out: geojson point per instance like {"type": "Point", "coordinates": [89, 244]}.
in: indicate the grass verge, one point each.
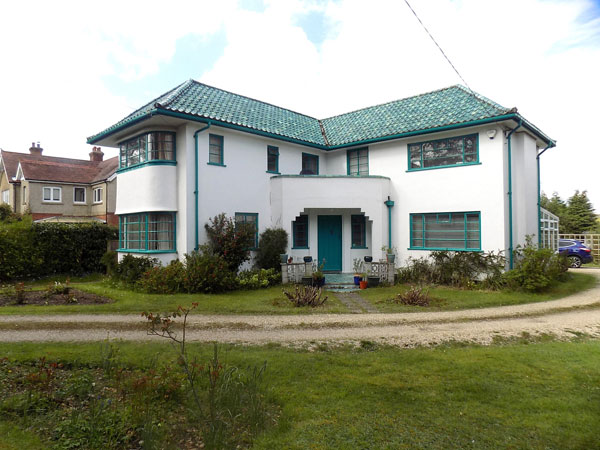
{"type": "Point", "coordinates": [450, 299]}
{"type": "Point", "coordinates": [521, 394]}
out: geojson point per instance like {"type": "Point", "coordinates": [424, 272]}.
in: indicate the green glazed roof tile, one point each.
{"type": "Point", "coordinates": [445, 107]}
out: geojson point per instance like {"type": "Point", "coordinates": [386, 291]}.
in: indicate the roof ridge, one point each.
{"type": "Point", "coordinates": [391, 101]}
{"type": "Point", "coordinates": [175, 93]}
{"type": "Point", "coordinates": [484, 99]}
{"type": "Point", "coordinates": [253, 99]}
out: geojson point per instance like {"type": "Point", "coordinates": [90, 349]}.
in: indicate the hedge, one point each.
{"type": "Point", "coordinates": [34, 250]}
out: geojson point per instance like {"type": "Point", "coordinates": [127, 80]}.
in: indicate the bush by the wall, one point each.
{"type": "Point", "coordinates": [536, 269]}
{"type": "Point", "coordinates": [131, 268]}
{"type": "Point", "coordinates": [260, 278]}
{"type": "Point", "coordinates": [206, 272]}
{"type": "Point", "coordinates": [164, 280]}
{"type": "Point", "coordinates": [110, 260]}
{"type": "Point", "coordinates": [33, 250]}
{"type": "Point", "coordinates": [271, 243]}
{"type": "Point", "coordinates": [5, 212]}
{"type": "Point", "coordinates": [228, 240]}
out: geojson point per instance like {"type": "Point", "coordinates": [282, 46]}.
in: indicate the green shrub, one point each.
{"type": "Point", "coordinates": [110, 260]}
{"type": "Point", "coordinates": [164, 280]}
{"type": "Point", "coordinates": [5, 212]}
{"type": "Point", "coordinates": [131, 268]}
{"type": "Point", "coordinates": [19, 257]}
{"type": "Point", "coordinates": [536, 269]}
{"type": "Point", "coordinates": [206, 272]}
{"type": "Point", "coordinates": [462, 269]}
{"type": "Point", "coordinates": [256, 279]}
{"type": "Point", "coordinates": [230, 241]}
{"type": "Point", "coordinates": [272, 243]}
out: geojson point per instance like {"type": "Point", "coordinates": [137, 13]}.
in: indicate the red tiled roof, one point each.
{"type": "Point", "coordinates": [52, 168]}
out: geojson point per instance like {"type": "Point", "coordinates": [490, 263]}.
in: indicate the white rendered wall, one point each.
{"type": "Point", "coordinates": [524, 180]}
{"type": "Point", "coordinates": [147, 188]}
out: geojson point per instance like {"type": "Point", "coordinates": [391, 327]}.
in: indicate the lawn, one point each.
{"type": "Point", "coordinates": [521, 394]}
{"type": "Point", "coordinates": [449, 299]}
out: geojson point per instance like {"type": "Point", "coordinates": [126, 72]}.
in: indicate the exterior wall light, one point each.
{"type": "Point", "coordinates": [491, 133]}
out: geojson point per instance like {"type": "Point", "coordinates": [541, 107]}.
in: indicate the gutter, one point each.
{"type": "Point", "coordinates": [198, 131]}
{"type": "Point", "coordinates": [539, 191]}
{"type": "Point", "coordinates": [510, 211]}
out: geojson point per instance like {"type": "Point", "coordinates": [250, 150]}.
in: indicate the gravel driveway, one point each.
{"type": "Point", "coordinates": [579, 313]}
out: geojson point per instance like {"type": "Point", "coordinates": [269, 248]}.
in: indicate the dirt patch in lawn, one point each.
{"type": "Point", "coordinates": [42, 298]}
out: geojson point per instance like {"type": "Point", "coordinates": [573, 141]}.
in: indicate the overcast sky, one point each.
{"type": "Point", "coordinates": [70, 69]}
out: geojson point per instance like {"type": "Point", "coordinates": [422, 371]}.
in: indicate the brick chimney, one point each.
{"type": "Point", "coordinates": [36, 149]}
{"type": "Point", "coordinates": [96, 154]}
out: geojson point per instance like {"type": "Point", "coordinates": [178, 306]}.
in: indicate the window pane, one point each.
{"type": "Point", "coordinates": [215, 149]}
{"type": "Point", "coordinates": [310, 164]}
{"type": "Point", "coordinates": [444, 152]}
{"type": "Point", "coordinates": [358, 231]}
{"type": "Point", "coordinates": [79, 195]}
{"type": "Point", "coordinates": [449, 231]}
{"type": "Point", "coordinates": [47, 194]}
{"type": "Point", "coordinates": [56, 194]}
{"type": "Point", "coordinates": [300, 231]}
{"type": "Point", "coordinates": [272, 159]}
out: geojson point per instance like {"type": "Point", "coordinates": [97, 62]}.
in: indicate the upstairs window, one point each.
{"type": "Point", "coordinates": [456, 151]}
{"type": "Point", "coordinates": [359, 231]}
{"type": "Point", "coordinates": [215, 150]}
{"type": "Point", "coordinates": [272, 159]}
{"type": "Point", "coordinates": [6, 196]}
{"type": "Point", "coordinates": [358, 161]}
{"type": "Point", "coordinates": [154, 146]}
{"type": "Point", "coordinates": [79, 195]}
{"type": "Point", "coordinates": [445, 231]}
{"type": "Point", "coordinates": [98, 195]}
{"type": "Point", "coordinates": [300, 232]}
{"type": "Point", "coordinates": [24, 195]}
{"type": "Point", "coordinates": [251, 219]}
{"type": "Point", "coordinates": [310, 164]}
{"type": "Point", "coordinates": [52, 194]}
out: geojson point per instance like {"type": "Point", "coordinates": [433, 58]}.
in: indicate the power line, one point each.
{"type": "Point", "coordinates": [438, 45]}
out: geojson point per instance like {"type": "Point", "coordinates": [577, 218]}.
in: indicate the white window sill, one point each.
{"type": "Point", "coordinates": [80, 203]}
{"type": "Point", "coordinates": [52, 202]}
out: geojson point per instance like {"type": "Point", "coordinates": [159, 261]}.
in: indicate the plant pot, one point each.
{"type": "Point", "coordinates": [363, 284]}
{"type": "Point", "coordinates": [390, 257]}
{"type": "Point", "coordinates": [368, 259]}
{"type": "Point", "coordinates": [320, 282]}
{"type": "Point", "coordinates": [307, 281]}
{"type": "Point", "coordinates": [357, 279]}
{"type": "Point", "coordinates": [373, 281]}
{"type": "Point", "coordinates": [307, 259]}
{"type": "Point", "coordinates": [283, 257]}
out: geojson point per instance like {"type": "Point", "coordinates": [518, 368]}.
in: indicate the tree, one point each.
{"type": "Point", "coordinates": [272, 243]}
{"type": "Point", "coordinates": [581, 213]}
{"type": "Point", "coordinates": [230, 240]}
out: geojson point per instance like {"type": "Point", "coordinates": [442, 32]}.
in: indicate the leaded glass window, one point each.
{"type": "Point", "coordinates": [153, 146]}
{"type": "Point", "coordinates": [446, 231]}
{"type": "Point", "coordinates": [358, 161]}
{"type": "Point", "coordinates": [456, 151]}
{"type": "Point", "coordinates": [359, 231]}
{"type": "Point", "coordinates": [147, 232]}
{"type": "Point", "coordinates": [251, 219]}
{"type": "Point", "coordinates": [215, 149]}
{"type": "Point", "coordinates": [300, 232]}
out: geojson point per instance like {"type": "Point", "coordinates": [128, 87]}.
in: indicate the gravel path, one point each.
{"type": "Point", "coordinates": [579, 313]}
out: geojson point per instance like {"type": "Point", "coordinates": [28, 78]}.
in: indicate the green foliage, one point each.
{"type": "Point", "coordinates": [110, 260]}
{"type": "Point", "coordinates": [5, 212]}
{"type": "Point", "coordinates": [272, 243]}
{"type": "Point", "coordinates": [461, 269]}
{"type": "Point", "coordinates": [208, 273]}
{"type": "Point", "coordinates": [260, 278]}
{"type": "Point", "coordinates": [306, 296]}
{"type": "Point", "coordinates": [131, 268]}
{"type": "Point", "coordinates": [536, 269]}
{"type": "Point", "coordinates": [170, 279]}
{"type": "Point", "coordinates": [576, 215]}
{"type": "Point", "coordinates": [229, 240]}
{"type": "Point", "coordinates": [33, 250]}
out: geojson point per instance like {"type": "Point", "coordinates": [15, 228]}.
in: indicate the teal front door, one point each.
{"type": "Point", "coordinates": [330, 242]}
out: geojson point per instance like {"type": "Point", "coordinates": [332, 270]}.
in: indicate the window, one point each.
{"type": "Point", "coordinates": [79, 195]}
{"type": "Point", "coordinates": [52, 194]}
{"type": "Point", "coordinates": [154, 146]}
{"type": "Point", "coordinates": [358, 161]}
{"type": "Point", "coordinates": [147, 232]}
{"type": "Point", "coordinates": [24, 195]}
{"type": "Point", "coordinates": [6, 196]}
{"type": "Point", "coordinates": [456, 151]}
{"type": "Point", "coordinates": [445, 231]}
{"type": "Point", "coordinates": [98, 195]}
{"type": "Point", "coordinates": [359, 231]}
{"type": "Point", "coordinates": [249, 218]}
{"type": "Point", "coordinates": [272, 159]}
{"type": "Point", "coordinates": [300, 232]}
{"type": "Point", "coordinates": [215, 150]}
{"type": "Point", "coordinates": [310, 164]}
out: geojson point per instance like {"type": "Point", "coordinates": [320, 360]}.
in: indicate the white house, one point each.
{"type": "Point", "coordinates": [448, 169]}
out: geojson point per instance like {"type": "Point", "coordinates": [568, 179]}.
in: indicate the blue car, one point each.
{"type": "Point", "coordinates": [576, 252]}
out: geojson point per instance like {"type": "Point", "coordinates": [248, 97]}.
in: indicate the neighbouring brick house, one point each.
{"type": "Point", "coordinates": [59, 189]}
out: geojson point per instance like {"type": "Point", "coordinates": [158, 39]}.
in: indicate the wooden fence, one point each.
{"type": "Point", "coordinates": [591, 240]}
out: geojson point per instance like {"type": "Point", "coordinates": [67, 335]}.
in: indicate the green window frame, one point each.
{"type": "Point", "coordinates": [215, 150]}
{"type": "Point", "coordinates": [310, 164]}
{"type": "Point", "coordinates": [358, 161]}
{"type": "Point", "coordinates": [449, 152]}
{"type": "Point", "coordinates": [358, 226]}
{"type": "Point", "coordinates": [155, 147]}
{"type": "Point", "coordinates": [147, 232]}
{"type": "Point", "coordinates": [300, 232]}
{"type": "Point", "coordinates": [249, 218]}
{"type": "Point", "coordinates": [457, 231]}
{"type": "Point", "coordinates": [272, 159]}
